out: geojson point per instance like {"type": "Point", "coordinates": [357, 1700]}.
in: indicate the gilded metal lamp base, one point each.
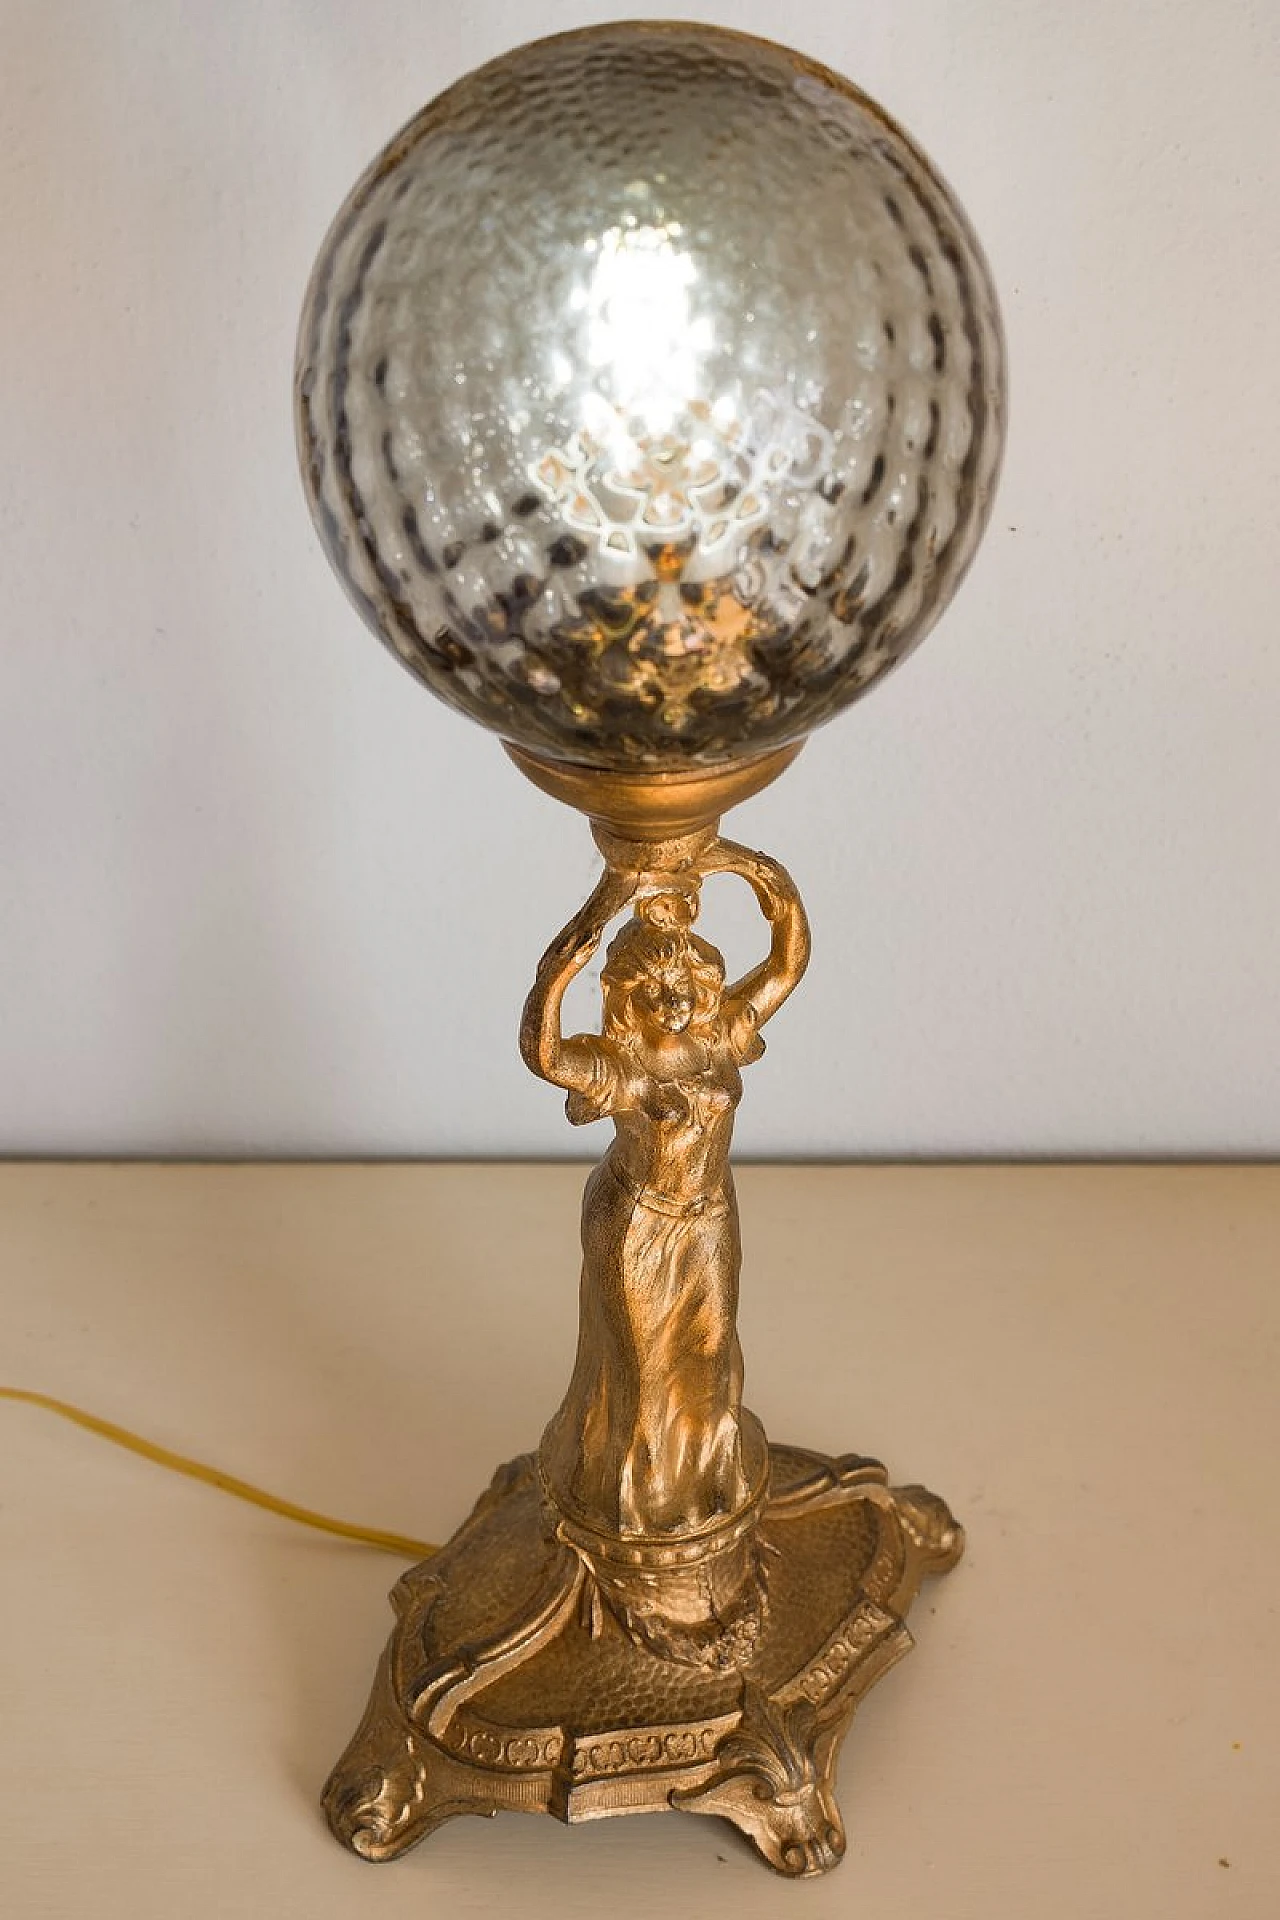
{"type": "Point", "coordinates": [514, 1679]}
{"type": "Point", "coordinates": [658, 1609]}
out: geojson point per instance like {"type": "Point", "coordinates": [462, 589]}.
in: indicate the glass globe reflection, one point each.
{"type": "Point", "coordinates": [650, 396]}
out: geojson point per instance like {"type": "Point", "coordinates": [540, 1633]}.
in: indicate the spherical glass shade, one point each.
{"type": "Point", "coordinates": [650, 395]}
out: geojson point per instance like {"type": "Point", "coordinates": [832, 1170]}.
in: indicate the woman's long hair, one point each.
{"type": "Point", "coordinates": [643, 952]}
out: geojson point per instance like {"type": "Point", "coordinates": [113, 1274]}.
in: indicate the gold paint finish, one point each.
{"type": "Point", "coordinates": [653, 806]}
{"type": "Point", "coordinates": [510, 1683]}
{"type": "Point", "coordinates": [658, 1609]}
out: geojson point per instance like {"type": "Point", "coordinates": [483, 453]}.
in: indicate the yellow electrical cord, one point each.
{"type": "Point", "coordinates": [213, 1477]}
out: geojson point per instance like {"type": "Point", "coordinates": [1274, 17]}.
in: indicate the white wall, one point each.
{"type": "Point", "coordinates": [261, 894]}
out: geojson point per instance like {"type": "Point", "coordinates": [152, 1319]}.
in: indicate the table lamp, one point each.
{"type": "Point", "coordinates": [649, 404]}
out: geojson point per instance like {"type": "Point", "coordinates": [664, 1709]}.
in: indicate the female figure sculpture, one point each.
{"type": "Point", "coordinates": [650, 1438]}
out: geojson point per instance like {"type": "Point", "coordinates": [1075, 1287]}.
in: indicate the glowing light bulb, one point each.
{"type": "Point", "coordinates": [643, 340]}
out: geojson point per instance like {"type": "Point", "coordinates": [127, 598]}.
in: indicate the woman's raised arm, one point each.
{"type": "Point", "coordinates": [766, 987]}
{"type": "Point", "coordinates": [542, 1044]}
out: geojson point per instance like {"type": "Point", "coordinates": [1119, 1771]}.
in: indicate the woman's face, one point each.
{"type": "Point", "coordinates": [668, 1000]}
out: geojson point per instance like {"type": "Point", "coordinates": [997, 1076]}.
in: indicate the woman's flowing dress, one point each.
{"type": "Point", "coordinates": [648, 1438]}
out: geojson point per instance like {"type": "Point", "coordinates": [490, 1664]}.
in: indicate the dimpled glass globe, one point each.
{"type": "Point", "coordinates": [650, 396]}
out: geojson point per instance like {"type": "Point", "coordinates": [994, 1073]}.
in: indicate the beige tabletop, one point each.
{"type": "Point", "coordinates": [1083, 1360]}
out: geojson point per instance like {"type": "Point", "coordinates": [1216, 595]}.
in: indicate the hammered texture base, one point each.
{"type": "Point", "coordinates": [509, 1682]}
